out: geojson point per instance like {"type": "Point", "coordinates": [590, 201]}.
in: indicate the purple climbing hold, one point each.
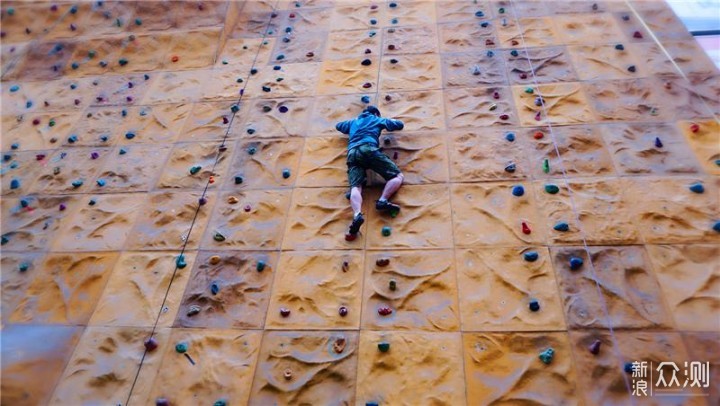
{"type": "Point", "coordinates": [94, 155]}
{"type": "Point", "coordinates": [283, 109]}
{"type": "Point", "coordinates": [658, 143]}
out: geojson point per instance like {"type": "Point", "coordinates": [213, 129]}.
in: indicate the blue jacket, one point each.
{"type": "Point", "coordinates": [366, 128]}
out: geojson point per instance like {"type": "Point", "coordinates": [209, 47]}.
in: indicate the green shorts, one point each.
{"type": "Point", "coordinates": [364, 157]}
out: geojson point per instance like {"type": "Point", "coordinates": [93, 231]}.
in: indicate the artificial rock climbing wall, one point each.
{"type": "Point", "coordinates": [174, 202]}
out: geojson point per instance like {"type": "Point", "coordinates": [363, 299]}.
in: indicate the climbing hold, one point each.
{"type": "Point", "coordinates": [180, 261]}
{"type": "Point", "coordinates": [214, 288]}
{"type": "Point", "coordinates": [10, 11]}
{"type": "Point", "coordinates": [493, 107]}
{"type": "Point", "coordinates": [150, 344]}
{"type": "Point", "coordinates": [373, 21]}
{"type": "Point", "coordinates": [92, 202]}
{"type": "Point", "coordinates": [534, 305]}
{"type": "Point", "coordinates": [695, 128]}
{"type": "Point", "coordinates": [490, 54]}
{"type": "Point", "coordinates": [123, 61]}
{"type": "Point", "coordinates": [479, 14]}
{"type": "Point", "coordinates": [658, 143]}
{"type": "Point", "coordinates": [195, 169]}
{"type": "Point", "coordinates": [40, 157]}
{"type": "Point", "coordinates": [280, 57]}
{"type": "Point", "coordinates": [628, 367]}
{"type": "Point", "coordinates": [632, 68]}
{"type": "Point", "coordinates": [310, 54]}
{"type": "Point", "coordinates": [247, 208]}
{"type": "Point", "coordinates": [260, 266]}
{"type": "Point", "coordinates": [496, 95]}
{"type": "Point", "coordinates": [489, 43]}
{"type": "Point", "coordinates": [504, 117]}
{"type": "Point", "coordinates": [539, 101]}
{"type": "Point", "coordinates": [101, 182]}
{"type": "Point", "coordinates": [514, 52]}
{"type": "Point", "coordinates": [716, 226]}
{"type": "Point", "coordinates": [220, 402]}
{"type": "Point", "coordinates": [287, 374]}
{"type": "Point", "coordinates": [561, 226]}
{"type": "Point", "coordinates": [538, 135]}
{"type": "Point", "coordinates": [238, 179]}
{"type": "Point", "coordinates": [339, 345]}
{"type": "Point", "coordinates": [546, 165]}
{"type": "Point", "coordinates": [266, 89]}
{"type": "Point", "coordinates": [383, 346]}
{"type": "Point", "coordinates": [214, 260]}
{"type": "Point", "coordinates": [36, 121]}
{"type": "Point", "coordinates": [386, 231]}
{"type": "Point", "coordinates": [4, 240]}
{"type": "Point", "coordinates": [594, 348]}
{"type": "Point", "coordinates": [531, 256]}
{"type": "Point", "coordinates": [484, 24]}
{"type": "Point", "coordinates": [526, 228]}
{"type": "Point", "coordinates": [284, 312]}
{"type": "Point", "coordinates": [62, 207]}
{"type": "Point", "coordinates": [218, 237]}
{"type": "Point", "coordinates": [510, 137]}
{"type": "Point", "coordinates": [343, 311]}
{"type": "Point", "coordinates": [697, 188]}
{"type": "Point", "coordinates": [23, 266]}
{"type": "Point", "coordinates": [14, 183]}
{"type": "Point", "coordinates": [181, 347]}
{"type": "Point", "coordinates": [74, 65]}
{"type": "Point", "coordinates": [366, 62]}
{"type": "Point", "coordinates": [367, 85]}
{"type": "Point", "coordinates": [518, 190]}
{"type": "Point", "coordinates": [576, 263]}
{"type": "Point", "coordinates": [283, 109]}
{"type": "Point", "coordinates": [234, 108]}
{"type": "Point", "coordinates": [384, 311]}
{"type": "Point", "coordinates": [382, 262]}
{"type": "Point", "coordinates": [14, 88]}
{"type": "Point", "coordinates": [392, 285]}
{"type": "Point", "coordinates": [365, 99]}
{"type": "Point", "coordinates": [620, 47]}
{"type": "Point", "coordinates": [594, 6]}
{"type": "Point", "coordinates": [175, 58]}
{"type": "Point", "coordinates": [547, 356]}
{"type": "Point", "coordinates": [552, 189]}
{"type": "Point", "coordinates": [501, 10]}
{"type": "Point", "coordinates": [523, 75]}
{"type": "Point", "coordinates": [637, 35]}
{"type": "Point", "coordinates": [193, 310]}
{"type": "Point", "coordinates": [129, 135]}
{"type": "Point", "coordinates": [94, 155]}
{"type": "Point", "coordinates": [122, 151]}
{"type": "Point", "coordinates": [77, 183]}
{"type": "Point", "coordinates": [510, 168]}
{"type": "Point", "coordinates": [286, 173]}
{"type": "Point", "coordinates": [529, 90]}
{"type": "Point", "coordinates": [267, 109]}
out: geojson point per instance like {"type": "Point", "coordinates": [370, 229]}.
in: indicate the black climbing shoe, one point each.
{"type": "Point", "coordinates": [387, 206]}
{"type": "Point", "coordinates": [356, 223]}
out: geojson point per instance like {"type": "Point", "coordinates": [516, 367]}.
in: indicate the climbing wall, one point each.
{"type": "Point", "coordinates": [174, 203]}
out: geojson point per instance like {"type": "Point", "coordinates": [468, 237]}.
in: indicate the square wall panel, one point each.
{"type": "Point", "coordinates": [410, 72]}
{"type": "Point", "coordinates": [265, 163]}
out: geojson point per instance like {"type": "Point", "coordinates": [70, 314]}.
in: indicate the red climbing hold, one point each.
{"type": "Point", "coordinates": [384, 311]}
{"type": "Point", "coordinates": [36, 121]}
{"type": "Point", "coordinates": [382, 262]}
{"type": "Point", "coordinates": [175, 58]}
{"type": "Point", "coordinates": [523, 75]}
{"type": "Point", "coordinates": [538, 135]}
{"type": "Point", "coordinates": [391, 47]}
{"type": "Point", "coordinates": [350, 237]}
{"type": "Point", "coordinates": [637, 34]}
{"type": "Point", "coordinates": [525, 228]}
{"type": "Point", "coordinates": [695, 128]}
{"type": "Point", "coordinates": [504, 117]}
{"type": "Point", "coordinates": [367, 85]}
{"type": "Point", "coordinates": [496, 95]}
{"type": "Point", "coordinates": [292, 15]}
{"type": "Point", "coordinates": [343, 311]}
{"type": "Point", "coordinates": [514, 42]}
{"type": "Point", "coordinates": [212, 179]}
{"type": "Point", "coordinates": [489, 42]}
{"type": "Point", "coordinates": [310, 54]}
{"type": "Point", "coordinates": [284, 312]}
{"type": "Point", "coordinates": [151, 344]}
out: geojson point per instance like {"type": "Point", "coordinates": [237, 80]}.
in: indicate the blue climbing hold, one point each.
{"type": "Point", "coordinates": [15, 183]}
{"type": "Point", "coordinates": [280, 57]}
{"type": "Point", "coordinates": [28, 104]}
{"type": "Point", "coordinates": [129, 135]}
{"type": "Point", "coordinates": [697, 188]}
{"type": "Point", "coordinates": [238, 180]}
{"type": "Point", "coordinates": [72, 139]}
{"type": "Point", "coordinates": [92, 202]}
{"type": "Point", "coordinates": [534, 305]}
{"type": "Point", "coordinates": [658, 143]}
{"type": "Point", "coordinates": [510, 168]}
{"type": "Point", "coordinates": [628, 367]}
{"type": "Point", "coordinates": [4, 240]}
{"type": "Point", "coordinates": [620, 47]}
{"type": "Point", "coordinates": [514, 52]}
{"type": "Point", "coordinates": [122, 151]}
{"type": "Point", "coordinates": [490, 54]}
{"type": "Point", "coordinates": [101, 182]}
{"type": "Point", "coordinates": [392, 4]}
{"type": "Point", "coordinates": [214, 288]}
{"type": "Point", "coordinates": [394, 21]}
{"type": "Point", "coordinates": [531, 256]}
{"type": "Point", "coordinates": [14, 88]}
{"type": "Point", "coordinates": [286, 173]}
{"type": "Point", "coordinates": [576, 263]}
{"type": "Point", "coordinates": [288, 29]}
{"type": "Point", "coordinates": [124, 113]}
{"type": "Point", "coordinates": [484, 24]}
{"type": "Point", "coordinates": [7, 157]}
{"type": "Point", "coordinates": [146, 76]}
{"type": "Point", "coordinates": [510, 137]}
{"type": "Point", "coordinates": [518, 190]}
{"type": "Point", "coordinates": [561, 226]}
{"type": "Point", "coordinates": [15, 145]}
{"type": "Point", "coordinates": [373, 21]}
{"type": "Point", "coordinates": [365, 99]}
{"type": "Point", "coordinates": [77, 183]}
{"type": "Point", "coordinates": [104, 138]}
{"type": "Point", "coordinates": [276, 67]}
{"type": "Point", "coordinates": [716, 226]}
{"type": "Point", "coordinates": [479, 14]}
{"type": "Point", "coordinates": [24, 202]}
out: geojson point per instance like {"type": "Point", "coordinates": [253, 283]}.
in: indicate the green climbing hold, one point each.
{"type": "Point", "coordinates": [383, 346]}
{"type": "Point", "coordinates": [547, 356]}
{"type": "Point", "coordinates": [552, 189]}
{"type": "Point", "coordinates": [195, 169]}
{"type": "Point", "coordinates": [52, 122]}
{"type": "Point", "coordinates": [529, 90]}
{"type": "Point", "coordinates": [386, 231]}
{"type": "Point", "coordinates": [221, 402]}
{"type": "Point", "coordinates": [181, 347]}
{"type": "Point", "coordinates": [11, 11]}
{"type": "Point", "coordinates": [123, 61]}
{"type": "Point", "coordinates": [546, 166]}
{"type": "Point", "coordinates": [218, 237]}
{"type": "Point", "coordinates": [180, 261]}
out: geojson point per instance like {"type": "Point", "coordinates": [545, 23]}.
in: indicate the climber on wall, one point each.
{"type": "Point", "coordinates": [364, 153]}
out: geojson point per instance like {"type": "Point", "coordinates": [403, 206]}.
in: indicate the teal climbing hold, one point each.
{"type": "Point", "coordinates": [552, 189]}
{"type": "Point", "coordinates": [547, 356]}
{"type": "Point", "coordinates": [501, 10]}
{"type": "Point", "coordinates": [24, 202]}
{"type": "Point", "coordinates": [123, 61]}
{"type": "Point", "coordinates": [260, 266]}
{"type": "Point", "coordinates": [77, 183]}
{"type": "Point", "coordinates": [514, 52]}
{"type": "Point", "coordinates": [529, 90]}
{"type": "Point", "coordinates": [386, 231]}
{"type": "Point", "coordinates": [238, 179]}
{"type": "Point", "coordinates": [531, 256]}
{"type": "Point", "coordinates": [4, 239]}
{"type": "Point", "coordinates": [181, 347]}
{"type": "Point", "coordinates": [218, 237]}
{"type": "Point", "coordinates": [220, 402]}
{"type": "Point", "coordinates": [195, 169]}
{"type": "Point", "coordinates": [383, 346]}
{"type": "Point", "coordinates": [576, 263]}
{"type": "Point", "coordinates": [101, 182]}
{"type": "Point", "coordinates": [72, 139]}
{"type": "Point", "coordinates": [234, 108]}
{"type": "Point", "coordinates": [252, 150]}
{"type": "Point", "coordinates": [23, 267]}
{"type": "Point", "coordinates": [180, 261]}
{"type": "Point", "coordinates": [697, 188]}
{"type": "Point", "coordinates": [138, 21]}
{"type": "Point", "coordinates": [561, 226]}
{"type": "Point", "coordinates": [286, 173]}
